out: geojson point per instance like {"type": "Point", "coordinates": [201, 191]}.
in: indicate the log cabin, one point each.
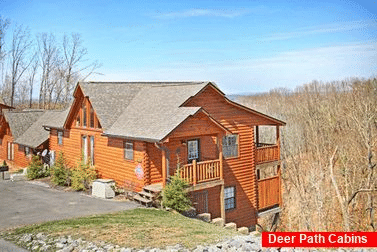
{"type": "Point", "coordinates": [22, 134]}
{"type": "Point", "coordinates": [140, 133]}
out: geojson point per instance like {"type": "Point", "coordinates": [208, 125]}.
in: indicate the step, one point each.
{"type": "Point", "coordinates": [142, 200]}
{"type": "Point", "coordinates": [147, 195]}
{"type": "Point", "coordinates": [154, 188]}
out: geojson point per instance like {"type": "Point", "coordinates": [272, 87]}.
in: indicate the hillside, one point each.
{"type": "Point", "coordinates": [329, 152]}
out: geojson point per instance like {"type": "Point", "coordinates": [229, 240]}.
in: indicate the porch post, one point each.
{"type": "Point", "coordinates": [221, 158]}
{"type": "Point", "coordinates": [194, 175]}
{"type": "Point", "coordinates": [222, 203]}
{"type": "Point", "coordinates": [278, 140]}
{"type": "Point", "coordinates": [163, 168]}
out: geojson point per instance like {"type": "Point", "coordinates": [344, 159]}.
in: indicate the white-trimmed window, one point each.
{"type": "Point", "coordinates": [60, 137]}
{"type": "Point", "coordinates": [27, 151]}
{"type": "Point", "coordinates": [230, 197]}
{"type": "Point", "coordinates": [128, 150]}
{"type": "Point", "coordinates": [91, 139]}
{"type": "Point", "coordinates": [230, 146]}
{"type": "Point", "coordinates": [84, 146]}
{"type": "Point", "coordinates": [10, 151]}
{"type": "Point", "coordinates": [193, 150]}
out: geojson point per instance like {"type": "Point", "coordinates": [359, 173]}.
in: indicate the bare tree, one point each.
{"type": "Point", "coordinates": [74, 56]}
{"type": "Point", "coordinates": [31, 77]}
{"type": "Point", "coordinates": [49, 59]}
{"type": "Point", "coordinates": [4, 23]}
{"type": "Point", "coordinates": [21, 43]}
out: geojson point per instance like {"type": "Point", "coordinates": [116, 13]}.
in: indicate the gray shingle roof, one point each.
{"type": "Point", "coordinates": [142, 110]}
{"type": "Point", "coordinates": [19, 122]}
{"type": "Point", "coordinates": [57, 120]}
{"type": "Point", "coordinates": [110, 99]}
{"type": "Point", "coordinates": [36, 135]}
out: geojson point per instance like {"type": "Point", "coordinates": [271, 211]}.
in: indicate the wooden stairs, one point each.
{"type": "Point", "coordinates": [148, 195]}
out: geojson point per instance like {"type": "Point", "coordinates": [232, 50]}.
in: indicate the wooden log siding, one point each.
{"type": "Point", "coordinates": [238, 171]}
{"type": "Point", "coordinates": [267, 153]}
{"type": "Point", "coordinates": [269, 192]}
{"type": "Point", "coordinates": [201, 172]}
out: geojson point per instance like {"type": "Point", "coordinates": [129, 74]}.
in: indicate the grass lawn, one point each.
{"type": "Point", "coordinates": [136, 228]}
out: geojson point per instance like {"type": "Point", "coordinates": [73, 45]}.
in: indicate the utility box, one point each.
{"type": "Point", "coordinates": [5, 175]}
{"type": "Point", "coordinates": [102, 188]}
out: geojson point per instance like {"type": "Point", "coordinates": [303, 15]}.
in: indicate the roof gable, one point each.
{"type": "Point", "coordinates": [267, 120]}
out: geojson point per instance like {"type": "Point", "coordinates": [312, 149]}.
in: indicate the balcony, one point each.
{"type": "Point", "coordinates": [269, 192]}
{"type": "Point", "coordinates": [202, 172]}
{"type": "Point", "coordinates": [267, 153]}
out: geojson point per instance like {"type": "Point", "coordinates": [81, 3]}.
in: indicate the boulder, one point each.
{"type": "Point", "coordinates": [231, 226]}
{"type": "Point", "coordinates": [218, 221]}
{"type": "Point", "coordinates": [243, 230]}
{"type": "Point", "coordinates": [204, 217]}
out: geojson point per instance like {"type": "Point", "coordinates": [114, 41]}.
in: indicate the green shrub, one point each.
{"type": "Point", "coordinates": [60, 172]}
{"type": "Point", "coordinates": [36, 170]}
{"type": "Point", "coordinates": [175, 195]}
{"type": "Point", "coordinates": [82, 175]}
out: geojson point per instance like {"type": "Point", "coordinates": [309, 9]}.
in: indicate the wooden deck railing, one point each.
{"type": "Point", "coordinates": [267, 153]}
{"type": "Point", "coordinates": [199, 172]}
{"type": "Point", "coordinates": [269, 192]}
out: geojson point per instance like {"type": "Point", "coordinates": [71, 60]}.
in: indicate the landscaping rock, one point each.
{"type": "Point", "coordinates": [204, 217]}
{"type": "Point", "coordinates": [27, 238]}
{"type": "Point", "coordinates": [59, 245]}
{"type": "Point", "coordinates": [231, 226]}
{"type": "Point", "coordinates": [218, 221]}
{"type": "Point", "coordinates": [243, 230]}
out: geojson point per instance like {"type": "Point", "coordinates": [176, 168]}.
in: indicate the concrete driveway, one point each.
{"type": "Point", "coordinates": [22, 203]}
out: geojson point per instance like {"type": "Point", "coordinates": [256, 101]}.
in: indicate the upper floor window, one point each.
{"type": "Point", "coordinates": [60, 137]}
{"type": "Point", "coordinates": [91, 117]}
{"type": "Point", "coordinates": [84, 114]}
{"type": "Point", "coordinates": [230, 146]}
{"type": "Point", "coordinates": [128, 150]}
{"type": "Point", "coordinates": [193, 150]}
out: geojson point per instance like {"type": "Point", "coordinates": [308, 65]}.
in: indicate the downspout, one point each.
{"type": "Point", "coordinates": [167, 159]}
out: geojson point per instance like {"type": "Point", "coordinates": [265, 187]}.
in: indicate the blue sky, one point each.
{"type": "Point", "coordinates": [243, 46]}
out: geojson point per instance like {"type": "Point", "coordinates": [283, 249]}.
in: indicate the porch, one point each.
{"type": "Point", "coordinates": [202, 172]}
{"type": "Point", "coordinates": [267, 159]}
{"type": "Point", "coordinates": [267, 152]}
{"type": "Point", "coordinates": [198, 159]}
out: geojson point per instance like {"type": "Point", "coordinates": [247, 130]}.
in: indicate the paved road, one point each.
{"type": "Point", "coordinates": [9, 247]}
{"type": "Point", "coordinates": [22, 203]}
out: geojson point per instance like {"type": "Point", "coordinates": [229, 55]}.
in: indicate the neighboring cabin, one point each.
{"type": "Point", "coordinates": [22, 134]}
{"type": "Point", "coordinates": [138, 133]}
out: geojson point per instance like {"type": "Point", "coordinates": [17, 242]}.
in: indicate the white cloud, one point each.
{"type": "Point", "coordinates": [322, 29]}
{"type": "Point", "coordinates": [286, 69]}
{"type": "Point", "coordinates": [225, 13]}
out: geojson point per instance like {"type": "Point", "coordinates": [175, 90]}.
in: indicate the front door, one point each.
{"type": "Point", "coordinates": [193, 150]}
